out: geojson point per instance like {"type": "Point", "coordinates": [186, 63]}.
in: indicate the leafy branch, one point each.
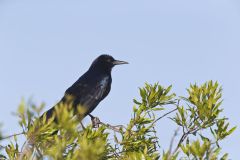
{"type": "Point", "coordinates": [68, 139]}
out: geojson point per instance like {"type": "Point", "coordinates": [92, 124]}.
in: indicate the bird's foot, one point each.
{"type": "Point", "coordinates": [95, 121]}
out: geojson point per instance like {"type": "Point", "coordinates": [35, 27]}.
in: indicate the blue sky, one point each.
{"type": "Point", "coordinates": [46, 45]}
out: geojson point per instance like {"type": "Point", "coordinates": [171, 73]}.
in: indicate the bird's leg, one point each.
{"type": "Point", "coordinates": [95, 121]}
{"type": "Point", "coordinates": [82, 126]}
{"type": "Point", "coordinates": [80, 118]}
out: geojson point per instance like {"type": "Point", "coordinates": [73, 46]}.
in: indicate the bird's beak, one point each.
{"type": "Point", "coordinates": [117, 62]}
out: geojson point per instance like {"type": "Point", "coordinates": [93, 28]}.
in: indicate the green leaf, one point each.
{"type": "Point", "coordinates": [232, 130]}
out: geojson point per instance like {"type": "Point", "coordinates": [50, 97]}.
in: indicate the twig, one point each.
{"type": "Point", "coordinates": [171, 145]}
{"type": "Point", "coordinates": [184, 136]}
{"type": "Point", "coordinates": [96, 121]}
{"type": "Point", "coordinates": [168, 112]}
{"type": "Point", "coordinates": [155, 133]}
{"type": "Point", "coordinates": [23, 146]}
{"type": "Point", "coordinates": [165, 115]}
{"type": "Point", "coordinates": [17, 134]}
{"type": "Point", "coordinates": [172, 140]}
{"type": "Point", "coordinates": [116, 128]}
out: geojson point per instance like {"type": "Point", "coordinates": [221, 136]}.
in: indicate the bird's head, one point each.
{"type": "Point", "coordinates": [106, 63]}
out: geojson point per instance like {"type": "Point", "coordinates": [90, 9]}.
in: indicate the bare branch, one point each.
{"type": "Point", "coordinates": [17, 134]}
{"type": "Point", "coordinates": [96, 122]}
{"type": "Point", "coordinates": [165, 115]}
{"type": "Point", "coordinates": [172, 140]}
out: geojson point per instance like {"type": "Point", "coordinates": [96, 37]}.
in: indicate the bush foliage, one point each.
{"type": "Point", "coordinates": [199, 129]}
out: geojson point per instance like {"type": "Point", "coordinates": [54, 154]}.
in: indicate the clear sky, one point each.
{"type": "Point", "coordinates": [46, 45]}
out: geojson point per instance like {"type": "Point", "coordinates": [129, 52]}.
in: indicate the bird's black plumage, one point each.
{"type": "Point", "coordinates": [92, 87]}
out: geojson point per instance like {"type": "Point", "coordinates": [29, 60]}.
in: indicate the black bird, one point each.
{"type": "Point", "coordinates": [91, 88]}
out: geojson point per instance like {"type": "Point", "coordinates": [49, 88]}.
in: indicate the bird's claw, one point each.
{"type": "Point", "coordinates": [95, 121]}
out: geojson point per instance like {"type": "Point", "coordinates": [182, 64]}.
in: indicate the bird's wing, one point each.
{"type": "Point", "coordinates": [88, 95]}
{"type": "Point", "coordinates": [95, 95]}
